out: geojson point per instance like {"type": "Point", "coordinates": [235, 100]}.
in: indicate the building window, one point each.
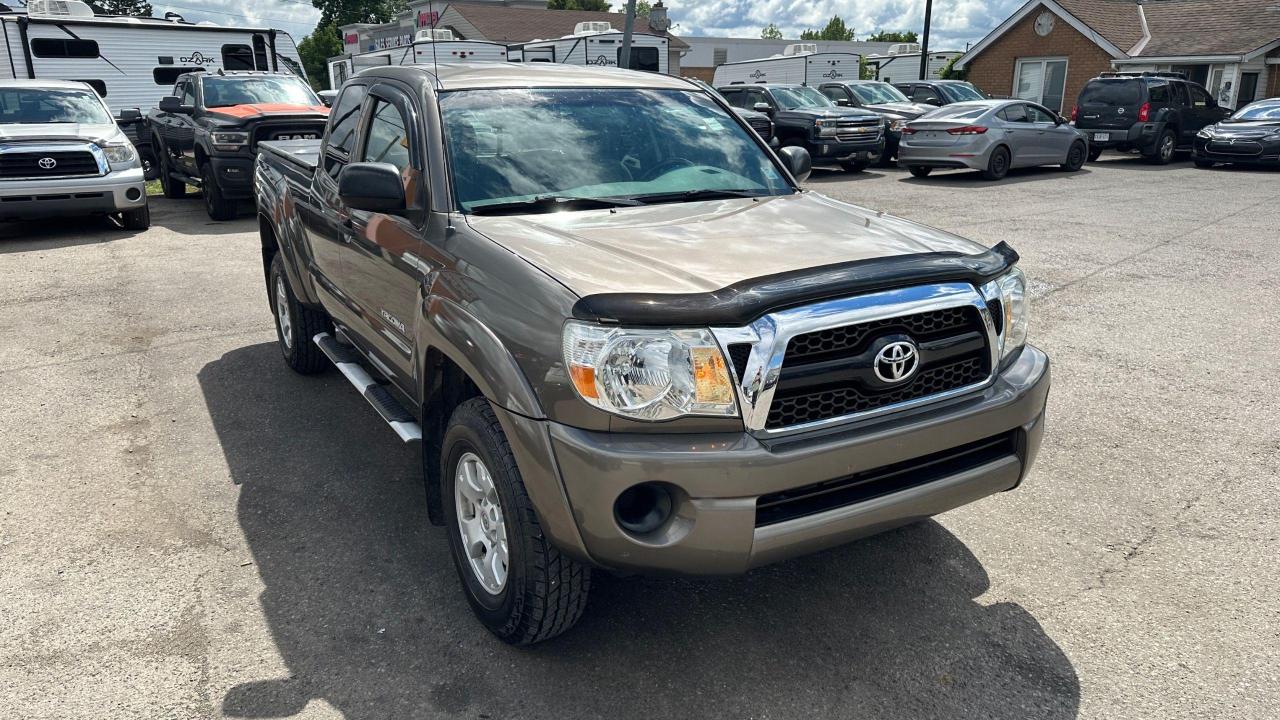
{"type": "Point", "coordinates": [237, 57]}
{"type": "Point", "coordinates": [169, 75]}
{"type": "Point", "coordinates": [64, 48]}
{"type": "Point", "coordinates": [642, 58]}
{"type": "Point", "coordinates": [1041, 80]}
{"type": "Point", "coordinates": [260, 52]}
{"type": "Point", "coordinates": [719, 56]}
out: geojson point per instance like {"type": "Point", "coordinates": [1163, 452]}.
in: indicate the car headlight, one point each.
{"type": "Point", "coordinates": [648, 374]}
{"type": "Point", "coordinates": [230, 140]}
{"type": "Point", "coordinates": [1015, 306]}
{"type": "Point", "coordinates": [121, 156]}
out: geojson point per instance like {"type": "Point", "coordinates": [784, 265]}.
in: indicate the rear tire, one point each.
{"type": "Point", "coordinates": [173, 189]}
{"type": "Point", "coordinates": [542, 592]}
{"type": "Point", "coordinates": [854, 167]}
{"type": "Point", "coordinates": [1166, 146]}
{"type": "Point", "coordinates": [920, 171]}
{"type": "Point", "coordinates": [296, 325]}
{"type": "Point", "coordinates": [1075, 157]}
{"type": "Point", "coordinates": [218, 207]}
{"type": "Point", "coordinates": [1094, 154]}
{"type": "Point", "coordinates": [139, 219]}
{"type": "Point", "coordinates": [150, 165]}
{"type": "Point", "coordinates": [998, 165]}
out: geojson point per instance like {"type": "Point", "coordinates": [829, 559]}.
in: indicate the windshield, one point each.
{"type": "Point", "coordinates": [512, 145]}
{"type": "Point", "coordinates": [878, 93]}
{"type": "Point", "coordinates": [1269, 110]}
{"type": "Point", "coordinates": [960, 92]}
{"type": "Point", "coordinates": [250, 90]}
{"type": "Point", "coordinates": [1111, 92]}
{"type": "Point", "coordinates": [38, 105]}
{"type": "Point", "coordinates": [790, 98]}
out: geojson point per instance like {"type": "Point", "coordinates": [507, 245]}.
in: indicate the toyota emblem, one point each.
{"type": "Point", "coordinates": [897, 361]}
{"type": "Point", "coordinates": [47, 163]}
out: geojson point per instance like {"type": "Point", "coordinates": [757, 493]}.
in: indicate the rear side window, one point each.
{"type": "Point", "coordinates": [1158, 93]}
{"type": "Point", "coordinates": [1112, 92]}
{"type": "Point", "coordinates": [1015, 113]}
{"type": "Point", "coordinates": [64, 48]}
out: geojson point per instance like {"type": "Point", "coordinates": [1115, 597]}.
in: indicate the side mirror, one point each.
{"type": "Point", "coordinates": [1059, 120]}
{"type": "Point", "coordinates": [128, 116]}
{"type": "Point", "coordinates": [934, 102]}
{"type": "Point", "coordinates": [842, 101]}
{"type": "Point", "coordinates": [762, 107]}
{"type": "Point", "coordinates": [798, 162]}
{"type": "Point", "coordinates": [372, 186]}
{"type": "Point", "coordinates": [171, 104]}
{"type": "Point", "coordinates": [327, 96]}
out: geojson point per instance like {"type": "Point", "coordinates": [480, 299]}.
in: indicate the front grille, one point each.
{"type": "Point", "coordinates": [869, 484]}
{"type": "Point", "coordinates": [269, 131]}
{"type": "Point", "coordinates": [65, 163]}
{"type": "Point", "coordinates": [762, 126]}
{"type": "Point", "coordinates": [1236, 148]}
{"type": "Point", "coordinates": [827, 374]}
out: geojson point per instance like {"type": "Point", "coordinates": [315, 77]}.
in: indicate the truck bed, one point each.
{"type": "Point", "coordinates": [303, 154]}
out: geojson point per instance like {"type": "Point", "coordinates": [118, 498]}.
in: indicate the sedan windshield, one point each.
{"type": "Point", "coordinates": [535, 150]}
{"type": "Point", "coordinates": [33, 105]}
{"type": "Point", "coordinates": [960, 92]}
{"type": "Point", "coordinates": [250, 90]}
{"type": "Point", "coordinates": [791, 98]}
{"type": "Point", "coordinates": [878, 93]}
{"type": "Point", "coordinates": [1262, 111]}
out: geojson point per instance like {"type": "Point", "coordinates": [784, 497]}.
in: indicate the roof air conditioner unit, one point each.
{"type": "Point", "coordinates": [434, 34]}
{"type": "Point", "coordinates": [592, 27]}
{"type": "Point", "coordinates": [58, 8]}
{"type": "Point", "coordinates": [800, 49]}
{"type": "Point", "coordinates": [904, 49]}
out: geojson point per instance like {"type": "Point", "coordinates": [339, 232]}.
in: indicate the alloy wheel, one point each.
{"type": "Point", "coordinates": [282, 313]}
{"type": "Point", "coordinates": [480, 522]}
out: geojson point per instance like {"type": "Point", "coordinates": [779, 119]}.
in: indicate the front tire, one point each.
{"type": "Point", "coordinates": [218, 206]}
{"type": "Point", "coordinates": [998, 165]}
{"type": "Point", "coordinates": [854, 167]}
{"type": "Point", "coordinates": [920, 171]}
{"type": "Point", "coordinates": [296, 325]}
{"type": "Point", "coordinates": [518, 584]}
{"type": "Point", "coordinates": [1075, 157]}
{"type": "Point", "coordinates": [139, 219]}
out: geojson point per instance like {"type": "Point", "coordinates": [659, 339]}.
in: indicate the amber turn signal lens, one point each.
{"type": "Point", "coordinates": [711, 382]}
{"type": "Point", "coordinates": [584, 379]}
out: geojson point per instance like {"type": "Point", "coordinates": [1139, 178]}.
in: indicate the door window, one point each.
{"type": "Point", "coordinates": [1037, 115]}
{"type": "Point", "coordinates": [836, 93]}
{"type": "Point", "coordinates": [1180, 94]}
{"type": "Point", "coordinates": [736, 98]}
{"type": "Point", "coordinates": [387, 140]}
{"type": "Point", "coordinates": [188, 93]}
{"type": "Point", "coordinates": [755, 97]}
{"type": "Point", "coordinates": [1200, 98]}
{"type": "Point", "coordinates": [1043, 81]}
{"type": "Point", "coordinates": [925, 94]}
{"type": "Point", "coordinates": [1015, 114]}
{"type": "Point", "coordinates": [343, 122]}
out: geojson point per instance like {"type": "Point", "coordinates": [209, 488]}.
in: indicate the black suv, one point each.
{"type": "Point", "coordinates": [1156, 114]}
{"type": "Point", "coordinates": [804, 117]}
{"type": "Point", "coordinates": [940, 92]}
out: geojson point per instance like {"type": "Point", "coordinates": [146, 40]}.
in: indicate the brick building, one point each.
{"type": "Point", "coordinates": [1048, 49]}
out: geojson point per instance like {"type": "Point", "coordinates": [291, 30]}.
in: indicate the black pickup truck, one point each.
{"type": "Point", "coordinates": [804, 117]}
{"type": "Point", "coordinates": [627, 337]}
{"type": "Point", "coordinates": [207, 133]}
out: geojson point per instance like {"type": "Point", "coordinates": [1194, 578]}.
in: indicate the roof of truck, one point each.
{"type": "Point", "coordinates": [466, 76]}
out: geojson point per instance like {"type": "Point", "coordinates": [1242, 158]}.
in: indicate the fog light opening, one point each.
{"type": "Point", "coordinates": [643, 509]}
{"type": "Point", "coordinates": [133, 193]}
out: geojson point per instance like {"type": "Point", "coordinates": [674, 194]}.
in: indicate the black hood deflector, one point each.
{"type": "Point", "coordinates": [743, 302]}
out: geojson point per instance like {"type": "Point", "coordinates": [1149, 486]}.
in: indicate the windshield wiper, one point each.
{"type": "Point", "coordinates": [545, 203]}
{"type": "Point", "coordinates": [701, 194]}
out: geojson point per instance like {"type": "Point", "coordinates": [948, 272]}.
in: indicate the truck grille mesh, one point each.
{"type": "Point", "coordinates": [66, 163]}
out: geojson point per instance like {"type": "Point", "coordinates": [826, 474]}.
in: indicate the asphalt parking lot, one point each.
{"type": "Point", "coordinates": [189, 530]}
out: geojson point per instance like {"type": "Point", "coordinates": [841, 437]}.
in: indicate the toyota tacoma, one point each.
{"type": "Point", "coordinates": [625, 335]}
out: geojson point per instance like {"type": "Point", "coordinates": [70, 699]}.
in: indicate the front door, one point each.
{"type": "Point", "coordinates": [1023, 136]}
{"type": "Point", "coordinates": [1053, 139]}
{"type": "Point", "coordinates": [1248, 89]}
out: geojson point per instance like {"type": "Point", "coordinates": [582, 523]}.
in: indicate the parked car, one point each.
{"type": "Point", "coordinates": [804, 117]}
{"type": "Point", "coordinates": [1251, 136]}
{"type": "Point", "coordinates": [760, 122]}
{"type": "Point", "coordinates": [992, 136]}
{"type": "Point", "coordinates": [62, 154]}
{"type": "Point", "coordinates": [1155, 114]}
{"type": "Point", "coordinates": [207, 132]}
{"type": "Point", "coordinates": [642, 351]}
{"type": "Point", "coordinates": [940, 92]}
{"type": "Point", "coordinates": [882, 99]}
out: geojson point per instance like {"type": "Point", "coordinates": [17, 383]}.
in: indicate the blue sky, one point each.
{"type": "Point", "coordinates": [955, 22]}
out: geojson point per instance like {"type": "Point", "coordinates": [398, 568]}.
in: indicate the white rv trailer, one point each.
{"type": "Point", "coordinates": [428, 46]}
{"type": "Point", "coordinates": [131, 61]}
{"type": "Point", "coordinates": [799, 64]}
{"type": "Point", "coordinates": [902, 63]}
{"type": "Point", "coordinates": [597, 43]}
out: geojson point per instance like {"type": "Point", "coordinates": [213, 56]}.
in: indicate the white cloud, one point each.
{"type": "Point", "coordinates": [296, 17]}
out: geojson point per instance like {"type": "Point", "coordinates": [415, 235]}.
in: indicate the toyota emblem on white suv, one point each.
{"type": "Point", "coordinates": [897, 361]}
{"type": "Point", "coordinates": [47, 163]}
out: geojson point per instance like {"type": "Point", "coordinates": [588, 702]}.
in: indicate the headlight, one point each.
{"type": "Point", "coordinates": [649, 374]}
{"type": "Point", "coordinates": [1016, 308]}
{"type": "Point", "coordinates": [230, 140]}
{"type": "Point", "coordinates": [120, 156]}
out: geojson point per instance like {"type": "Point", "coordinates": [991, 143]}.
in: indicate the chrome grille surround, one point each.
{"type": "Point", "coordinates": [770, 335]}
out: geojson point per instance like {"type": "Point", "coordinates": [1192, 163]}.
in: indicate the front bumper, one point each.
{"type": "Point", "coordinates": [833, 150]}
{"type": "Point", "coordinates": [1254, 152]}
{"type": "Point", "coordinates": [575, 476]}
{"type": "Point", "coordinates": [55, 197]}
{"type": "Point", "coordinates": [235, 176]}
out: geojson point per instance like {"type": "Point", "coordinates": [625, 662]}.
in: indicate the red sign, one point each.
{"type": "Point", "coordinates": [351, 39]}
{"type": "Point", "coordinates": [428, 19]}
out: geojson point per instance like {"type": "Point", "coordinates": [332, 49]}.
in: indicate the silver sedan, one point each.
{"type": "Point", "coordinates": [992, 136]}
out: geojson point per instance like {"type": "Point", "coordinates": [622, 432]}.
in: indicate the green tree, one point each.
{"type": "Point", "coordinates": [345, 12]}
{"type": "Point", "coordinates": [771, 32]}
{"type": "Point", "coordinates": [908, 36]}
{"type": "Point", "coordinates": [949, 71]}
{"type": "Point", "coordinates": [601, 5]}
{"type": "Point", "coordinates": [139, 8]}
{"type": "Point", "coordinates": [315, 50]}
{"type": "Point", "coordinates": [835, 30]}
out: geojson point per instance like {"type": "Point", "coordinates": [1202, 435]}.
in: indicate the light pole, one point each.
{"type": "Point", "coordinates": [624, 61]}
{"type": "Point", "coordinates": [924, 44]}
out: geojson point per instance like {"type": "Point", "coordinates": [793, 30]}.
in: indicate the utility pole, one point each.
{"type": "Point", "coordinates": [625, 59]}
{"type": "Point", "coordinates": [924, 44]}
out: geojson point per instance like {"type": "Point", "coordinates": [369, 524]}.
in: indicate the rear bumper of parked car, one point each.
{"type": "Point", "coordinates": [975, 154]}
{"type": "Point", "coordinates": [1142, 137]}
{"type": "Point", "coordinates": [1261, 153]}
{"type": "Point", "coordinates": [894, 471]}
{"type": "Point", "coordinates": [59, 197]}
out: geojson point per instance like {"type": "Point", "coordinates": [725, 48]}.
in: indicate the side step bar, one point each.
{"type": "Point", "coordinates": [388, 407]}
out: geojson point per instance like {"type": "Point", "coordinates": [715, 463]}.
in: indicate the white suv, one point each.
{"type": "Point", "coordinates": [61, 153]}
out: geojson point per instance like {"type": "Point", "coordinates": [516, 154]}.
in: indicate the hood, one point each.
{"type": "Point", "coordinates": [705, 246]}
{"type": "Point", "coordinates": [828, 112]}
{"type": "Point", "coordinates": [255, 110]}
{"type": "Point", "coordinates": [910, 111]}
{"type": "Point", "coordinates": [1247, 129]}
{"type": "Point", "coordinates": [61, 132]}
